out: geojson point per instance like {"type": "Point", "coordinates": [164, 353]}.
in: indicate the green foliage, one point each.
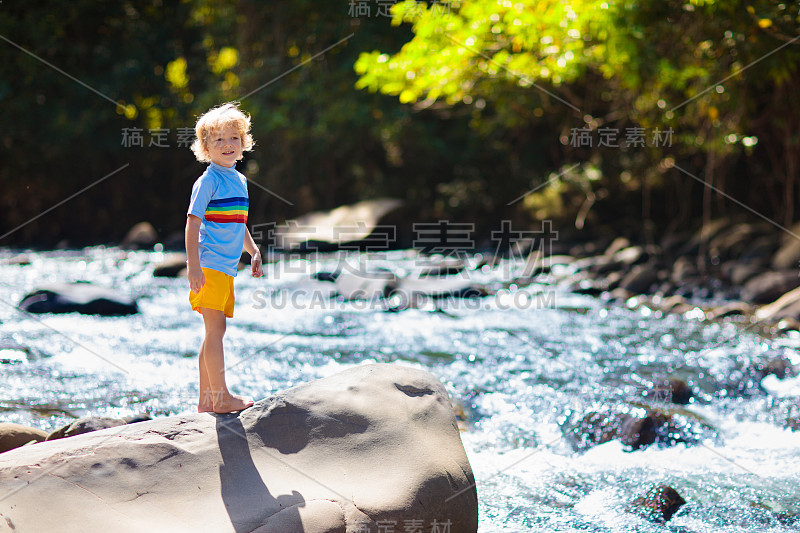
{"type": "Point", "coordinates": [710, 70]}
{"type": "Point", "coordinates": [456, 107]}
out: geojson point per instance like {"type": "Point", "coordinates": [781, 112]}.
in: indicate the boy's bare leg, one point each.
{"type": "Point", "coordinates": [206, 404]}
{"type": "Point", "coordinates": [222, 400]}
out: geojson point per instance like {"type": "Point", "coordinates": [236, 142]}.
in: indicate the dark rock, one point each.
{"type": "Point", "coordinates": [672, 390]}
{"type": "Point", "coordinates": [373, 443]}
{"type": "Point", "coordinates": [770, 286]}
{"type": "Point", "coordinates": [326, 276]}
{"type": "Point", "coordinates": [172, 266]}
{"type": "Point", "coordinates": [142, 235]}
{"type": "Point", "coordinates": [659, 504]}
{"type": "Point", "coordinates": [15, 435]}
{"type": "Point", "coordinates": [85, 425]}
{"type": "Point", "coordinates": [635, 425]}
{"type": "Point", "coordinates": [640, 279]}
{"type": "Point", "coordinates": [82, 298]}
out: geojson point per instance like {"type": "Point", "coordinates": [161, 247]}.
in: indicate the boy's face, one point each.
{"type": "Point", "coordinates": [225, 146]}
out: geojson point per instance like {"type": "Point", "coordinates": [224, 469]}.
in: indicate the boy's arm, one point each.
{"type": "Point", "coordinates": [251, 248]}
{"type": "Point", "coordinates": [192, 238]}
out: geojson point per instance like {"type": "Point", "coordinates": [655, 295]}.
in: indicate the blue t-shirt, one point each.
{"type": "Point", "coordinates": [219, 199]}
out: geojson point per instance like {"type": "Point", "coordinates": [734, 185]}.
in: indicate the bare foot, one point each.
{"type": "Point", "coordinates": [231, 403]}
{"type": "Point", "coordinates": [205, 408]}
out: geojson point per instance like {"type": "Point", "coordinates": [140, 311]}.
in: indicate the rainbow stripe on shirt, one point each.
{"type": "Point", "coordinates": [228, 210]}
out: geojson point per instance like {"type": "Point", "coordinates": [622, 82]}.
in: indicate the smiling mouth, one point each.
{"type": "Point", "coordinates": [228, 153]}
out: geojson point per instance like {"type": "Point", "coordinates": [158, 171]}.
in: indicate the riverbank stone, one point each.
{"type": "Point", "coordinates": [16, 435]}
{"type": "Point", "coordinates": [85, 424]}
{"type": "Point", "coordinates": [375, 444]}
{"type": "Point", "coordinates": [140, 236]}
{"type": "Point", "coordinates": [769, 286]}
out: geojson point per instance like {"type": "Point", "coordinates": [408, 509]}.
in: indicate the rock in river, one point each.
{"type": "Point", "coordinates": [82, 298]}
{"type": "Point", "coordinates": [635, 425]}
{"type": "Point", "coordinates": [659, 504]}
{"type": "Point", "coordinates": [375, 444]}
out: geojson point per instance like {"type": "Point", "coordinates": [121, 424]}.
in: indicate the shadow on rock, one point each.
{"type": "Point", "coordinates": [244, 492]}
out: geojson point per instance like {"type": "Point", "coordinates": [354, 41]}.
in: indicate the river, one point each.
{"type": "Point", "coordinates": [518, 364]}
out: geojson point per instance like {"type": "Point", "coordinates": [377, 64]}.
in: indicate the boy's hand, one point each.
{"type": "Point", "coordinates": [196, 279]}
{"type": "Point", "coordinates": [255, 265]}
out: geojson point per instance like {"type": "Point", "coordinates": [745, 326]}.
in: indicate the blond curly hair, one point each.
{"type": "Point", "coordinates": [216, 119]}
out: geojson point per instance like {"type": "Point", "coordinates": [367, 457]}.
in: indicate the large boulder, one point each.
{"type": "Point", "coordinates": [375, 444]}
{"type": "Point", "coordinates": [82, 298]}
{"type": "Point", "coordinates": [15, 435]}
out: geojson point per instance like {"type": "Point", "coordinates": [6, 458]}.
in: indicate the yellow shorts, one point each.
{"type": "Point", "coordinates": [216, 293]}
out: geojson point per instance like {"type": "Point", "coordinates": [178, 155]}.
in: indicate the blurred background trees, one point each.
{"type": "Point", "coordinates": [614, 112]}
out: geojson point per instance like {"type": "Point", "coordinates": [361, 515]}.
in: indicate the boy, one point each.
{"type": "Point", "coordinates": [216, 234]}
